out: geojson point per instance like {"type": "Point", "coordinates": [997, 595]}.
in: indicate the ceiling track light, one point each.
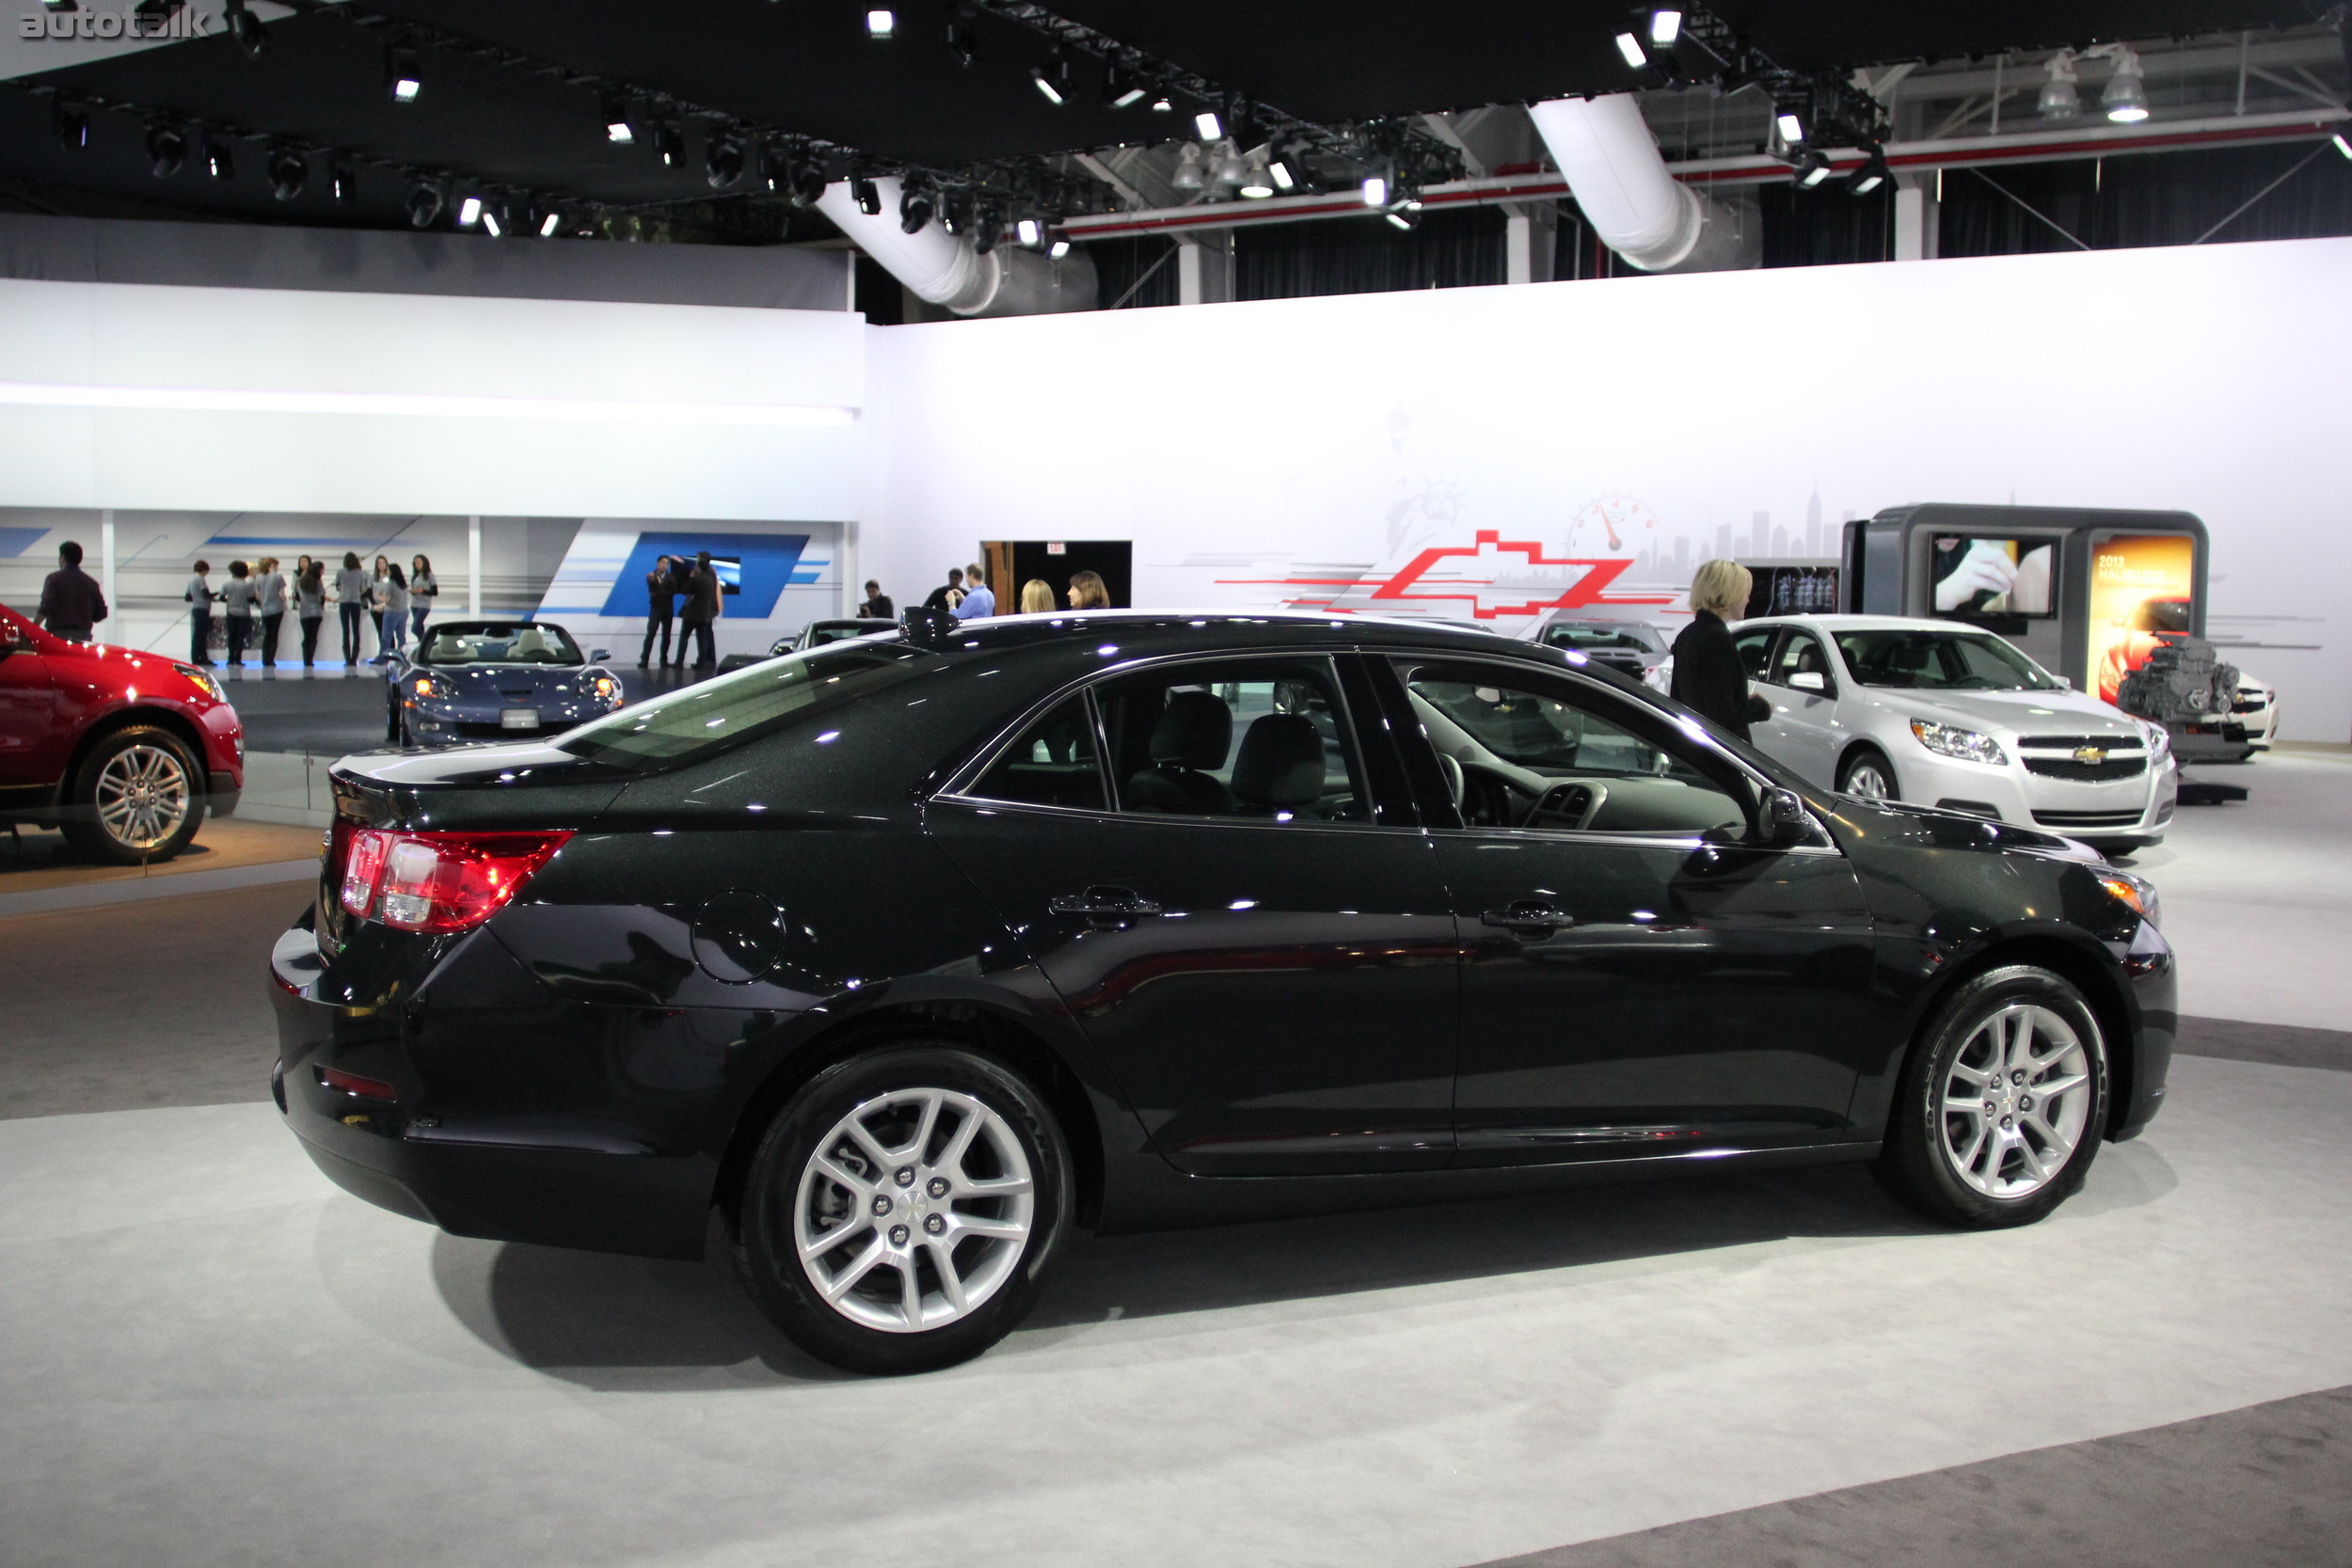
{"type": "Point", "coordinates": [1030, 234]}
{"type": "Point", "coordinates": [1790, 125]}
{"type": "Point", "coordinates": [244, 27]}
{"type": "Point", "coordinates": [1375, 188]}
{"type": "Point", "coordinates": [425, 202]}
{"type": "Point", "coordinates": [1257, 180]}
{"type": "Point", "coordinates": [1636, 58]}
{"type": "Point", "coordinates": [469, 211]}
{"type": "Point", "coordinates": [617, 129]}
{"type": "Point", "coordinates": [917, 207]}
{"type": "Point", "coordinates": [805, 185]}
{"type": "Point", "coordinates": [723, 160]}
{"type": "Point", "coordinates": [963, 44]}
{"type": "Point", "coordinates": [867, 196]}
{"type": "Point", "coordinates": [220, 159]}
{"type": "Point", "coordinates": [1209, 125]}
{"type": "Point", "coordinates": [1052, 79]}
{"type": "Point", "coordinates": [1288, 170]}
{"type": "Point", "coordinates": [1666, 27]}
{"type": "Point", "coordinates": [70, 124]}
{"type": "Point", "coordinates": [1404, 214]}
{"type": "Point", "coordinates": [342, 183]}
{"type": "Point", "coordinates": [988, 227]}
{"type": "Point", "coordinates": [882, 26]}
{"type": "Point", "coordinates": [669, 143]}
{"type": "Point", "coordinates": [1059, 247]}
{"type": "Point", "coordinates": [549, 225]}
{"type": "Point", "coordinates": [289, 171]}
{"type": "Point", "coordinates": [2125, 99]}
{"type": "Point", "coordinates": [1871, 175]}
{"type": "Point", "coordinates": [166, 149]}
{"type": "Point", "coordinates": [490, 223]}
{"type": "Point", "coordinates": [1812, 167]}
{"type": "Point", "coordinates": [403, 81]}
{"type": "Point", "coordinates": [2342, 146]}
{"type": "Point", "coordinates": [1122, 87]}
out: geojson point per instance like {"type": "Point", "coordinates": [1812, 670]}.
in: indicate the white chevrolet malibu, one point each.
{"type": "Point", "coordinates": [1946, 715]}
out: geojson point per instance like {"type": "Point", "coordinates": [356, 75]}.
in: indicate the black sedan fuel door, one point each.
{"type": "Point", "coordinates": [1642, 975]}
{"type": "Point", "coordinates": [1190, 854]}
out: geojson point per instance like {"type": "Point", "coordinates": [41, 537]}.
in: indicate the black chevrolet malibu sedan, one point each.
{"type": "Point", "coordinates": [909, 953]}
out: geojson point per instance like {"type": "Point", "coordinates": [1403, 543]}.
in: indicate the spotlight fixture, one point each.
{"type": "Point", "coordinates": [1812, 167]}
{"type": "Point", "coordinates": [988, 227]}
{"type": "Point", "coordinates": [2059, 100]}
{"type": "Point", "coordinates": [1631, 47]}
{"type": "Point", "coordinates": [220, 159]}
{"type": "Point", "coordinates": [963, 44]}
{"type": "Point", "coordinates": [1052, 79]}
{"type": "Point", "coordinates": [882, 26]}
{"type": "Point", "coordinates": [490, 222]}
{"type": "Point", "coordinates": [722, 159]}
{"type": "Point", "coordinates": [1256, 183]}
{"type": "Point", "coordinates": [806, 183]}
{"type": "Point", "coordinates": [2342, 146]}
{"type": "Point", "coordinates": [916, 209]}
{"type": "Point", "coordinates": [166, 149]}
{"type": "Point", "coordinates": [244, 26]}
{"type": "Point", "coordinates": [669, 142]}
{"type": "Point", "coordinates": [1404, 214]}
{"type": "Point", "coordinates": [1209, 125]}
{"type": "Point", "coordinates": [424, 203]}
{"type": "Point", "coordinates": [549, 225]}
{"type": "Point", "coordinates": [1665, 27]}
{"type": "Point", "coordinates": [1163, 104]}
{"type": "Point", "coordinates": [1790, 126]}
{"type": "Point", "coordinates": [868, 197]}
{"type": "Point", "coordinates": [469, 211]}
{"type": "Point", "coordinates": [401, 79]}
{"type": "Point", "coordinates": [1288, 170]}
{"type": "Point", "coordinates": [342, 182]}
{"type": "Point", "coordinates": [1188, 175]}
{"type": "Point", "coordinates": [1029, 233]}
{"type": "Point", "coordinates": [1871, 175]}
{"type": "Point", "coordinates": [1122, 87]}
{"type": "Point", "coordinates": [2125, 99]}
{"type": "Point", "coordinates": [289, 171]}
{"type": "Point", "coordinates": [617, 129]}
{"type": "Point", "coordinates": [70, 123]}
{"type": "Point", "coordinates": [1059, 248]}
{"type": "Point", "coordinates": [1230, 171]}
{"type": "Point", "coordinates": [1375, 189]}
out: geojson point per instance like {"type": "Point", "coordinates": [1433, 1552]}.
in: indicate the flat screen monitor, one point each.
{"type": "Point", "coordinates": [1981, 577]}
{"type": "Point", "coordinates": [730, 570]}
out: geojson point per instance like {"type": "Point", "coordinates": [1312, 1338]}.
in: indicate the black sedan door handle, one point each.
{"type": "Point", "coordinates": [1104, 906]}
{"type": "Point", "coordinates": [1528, 917]}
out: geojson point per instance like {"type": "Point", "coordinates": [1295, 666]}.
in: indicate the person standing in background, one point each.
{"type": "Point", "coordinates": [375, 604]}
{"type": "Point", "coordinates": [702, 610]}
{"type": "Point", "coordinates": [310, 594]}
{"type": "Point", "coordinates": [1707, 676]}
{"type": "Point", "coordinates": [236, 603]}
{"type": "Point", "coordinates": [200, 597]}
{"type": "Point", "coordinates": [949, 594]}
{"type": "Point", "coordinates": [877, 605]}
{"type": "Point", "coordinates": [71, 602]}
{"type": "Point", "coordinates": [270, 587]}
{"type": "Point", "coordinates": [395, 590]}
{"type": "Point", "coordinates": [1088, 592]}
{"type": "Point", "coordinates": [977, 600]}
{"type": "Point", "coordinates": [660, 605]}
{"type": "Point", "coordinates": [422, 591]}
{"type": "Point", "coordinates": [351, 603]}
{"type": "Point", "coordinates": [1037, 598]}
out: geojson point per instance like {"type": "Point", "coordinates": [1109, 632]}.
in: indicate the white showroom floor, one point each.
{"type": "Point", "coordinates": [207, 1355]}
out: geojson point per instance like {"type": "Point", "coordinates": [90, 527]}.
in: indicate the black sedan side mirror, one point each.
{"type": "Point", "coordinates": [1786, 820]}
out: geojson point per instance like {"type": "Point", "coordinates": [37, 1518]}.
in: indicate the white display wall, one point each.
{"type": "Point", "coordinates": [1313, 449]}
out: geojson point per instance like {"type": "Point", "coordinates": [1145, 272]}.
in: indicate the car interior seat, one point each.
{"type": "Point", "coordinates": [1280, 765]}
{"type": "Point", "coordinates": [1192, 737]}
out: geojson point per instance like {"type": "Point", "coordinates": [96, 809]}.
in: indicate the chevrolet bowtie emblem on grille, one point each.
{"type": "Point", "coordinates": [2090, 755]}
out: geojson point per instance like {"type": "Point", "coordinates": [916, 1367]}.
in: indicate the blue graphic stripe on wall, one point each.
{"type": "Point", "coordinates": [16, 541]}
{"type": "Point", "coordinates": [770, 561]}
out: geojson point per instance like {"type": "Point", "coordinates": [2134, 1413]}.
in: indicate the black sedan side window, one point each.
{"type": "Point", "coordinates": [1261, 739]}
{"type": "Point", "coordinates": [1054, 763]}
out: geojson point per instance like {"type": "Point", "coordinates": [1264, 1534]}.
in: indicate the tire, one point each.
{"type": "Point", "coordinates": [1866, 775]}
{"type": "Point", "coordinates": [1951, 1158]}
{"type": "Point", "coordinates": [137, 797]}
{"type": "Point", "coordinates": [839, 1160]}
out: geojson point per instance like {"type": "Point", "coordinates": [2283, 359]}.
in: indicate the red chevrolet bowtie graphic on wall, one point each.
{"type": "Point", "coordinates": [1492, 579]}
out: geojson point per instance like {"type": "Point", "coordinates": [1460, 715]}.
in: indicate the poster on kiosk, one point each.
{"type": "Point", "coordinates": [2141, 586]}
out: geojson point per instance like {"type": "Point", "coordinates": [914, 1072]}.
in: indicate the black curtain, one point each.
{"type": "Point", "coordinates": [1140, 271]}
{"type": "Point", "coordinates": [2148, 198]}
{"type": "Point", "coordinates": [1827, 225]}
{"type": "Point", "coordinates": [1369, 255]}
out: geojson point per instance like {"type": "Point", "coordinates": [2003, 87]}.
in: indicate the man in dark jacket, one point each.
{"type": "Point", "coordinates": [70, 603]}
{"type": "Point", "coordinates": [702, 609]}
{"type": "Point", "coordinates": [660, 604]}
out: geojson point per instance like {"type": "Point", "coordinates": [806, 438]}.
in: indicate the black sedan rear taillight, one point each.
{"type": "Point", "coordinates": [435, 881]}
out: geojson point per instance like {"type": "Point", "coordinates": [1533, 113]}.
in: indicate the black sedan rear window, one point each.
{"type": "Point", "coordinates": [732, 709]}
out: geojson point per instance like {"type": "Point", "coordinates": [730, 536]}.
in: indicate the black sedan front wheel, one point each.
{"type": "Point", "coordinates": [902, 1209]}
{"type": "Point", "coordinates": [2002, 1103]}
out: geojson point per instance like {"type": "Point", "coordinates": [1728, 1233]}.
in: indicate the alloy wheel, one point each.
{"type": "Point", "coordinates": [913, 1210]}
{"type": "Point", "coordinates": [2015, 1100]}
{"type": "Point", "coordinates": [142, 796]}
{"type": "Point", "coordinates": [1865, 781]}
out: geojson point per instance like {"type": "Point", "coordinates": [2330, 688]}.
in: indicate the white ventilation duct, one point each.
{"type": "Point", "coordinates": [943, 269]}
{"type": "Point", "coordinates": [1639, 210]}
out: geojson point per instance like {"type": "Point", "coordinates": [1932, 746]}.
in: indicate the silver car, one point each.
{"type": "Point", "coordinates": [1890, 708]}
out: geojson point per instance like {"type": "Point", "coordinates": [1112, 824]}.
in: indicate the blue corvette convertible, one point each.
{"type": "Point", "coordinates": [491, 680]}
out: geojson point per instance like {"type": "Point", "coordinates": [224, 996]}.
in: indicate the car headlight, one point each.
{"type": "Point", "coordinates": [425, 686]}
{"type": "Point", "coordinates": [202, 682]}
{"type": "Point", "coordinates": [2138, 891]}
{"type": "Point", "coordinates": [607, 691]}
{"type": "Point", "coordinates": [2159, 741]}
{"type": "Point", "coordinates": [1947, 740]}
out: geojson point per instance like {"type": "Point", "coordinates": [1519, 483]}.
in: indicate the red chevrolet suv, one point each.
{"type": "Point", "coordinates": [124, 751]}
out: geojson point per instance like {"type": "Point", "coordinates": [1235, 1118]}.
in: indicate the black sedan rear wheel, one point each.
{"type": "Point", "coordinates": [902, 1209]}
{"type": "Point", "coordinates": [2002, 1103]}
